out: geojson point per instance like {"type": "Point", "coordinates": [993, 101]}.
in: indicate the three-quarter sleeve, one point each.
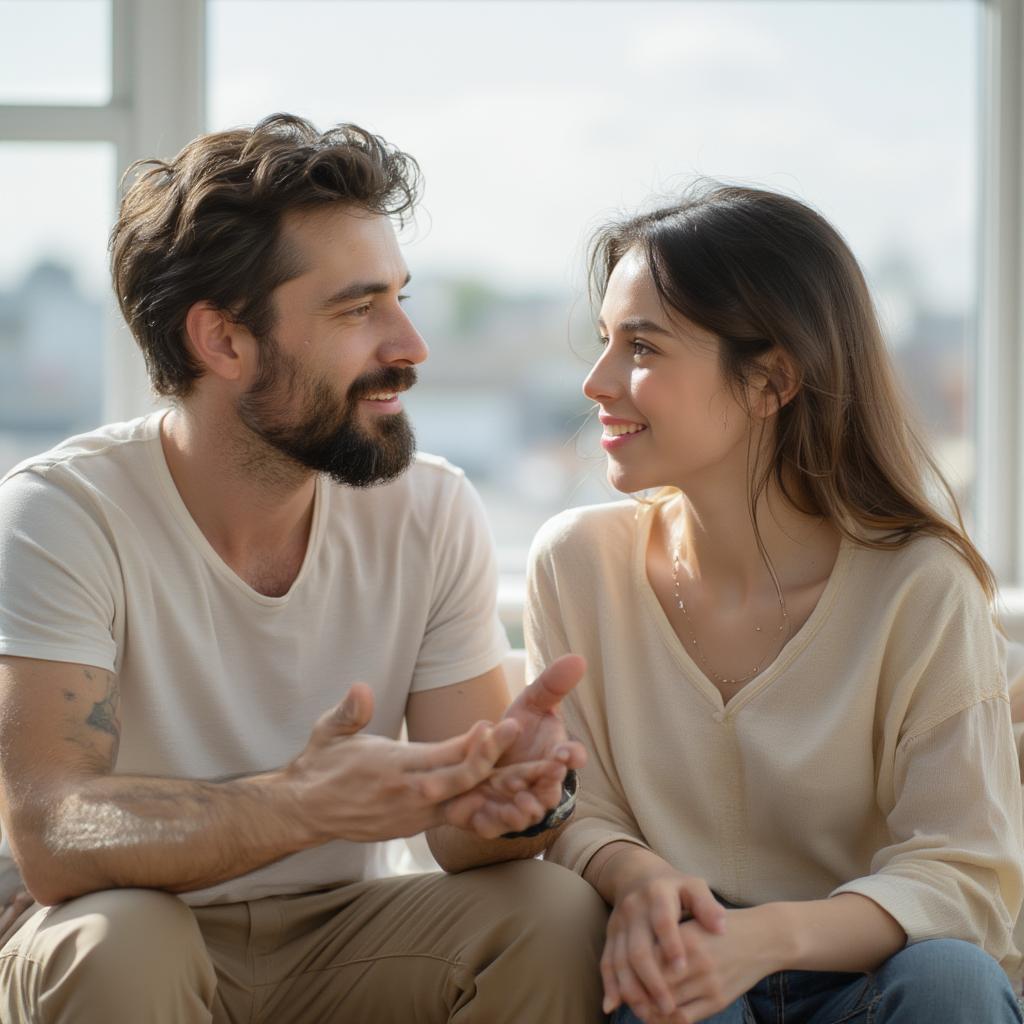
{"type": "Point", "coordinates": [951, 791]}
{"type": "Point", "coordinates": [602, 811]}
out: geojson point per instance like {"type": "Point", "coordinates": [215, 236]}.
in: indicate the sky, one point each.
{"type": "Point", "coordinates": [533, 120]}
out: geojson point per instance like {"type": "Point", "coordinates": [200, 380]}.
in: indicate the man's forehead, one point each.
{"type": "Point", "coordinates": [336, 247]}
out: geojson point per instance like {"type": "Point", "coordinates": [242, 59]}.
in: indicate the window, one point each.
{"type": "Point", "coordinates": [535, 121]}
{"type": "Point", "coordinates": [55, 51]}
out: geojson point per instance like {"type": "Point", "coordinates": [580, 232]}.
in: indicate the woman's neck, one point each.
{"type": "Point", "coordinates": [712, 531]}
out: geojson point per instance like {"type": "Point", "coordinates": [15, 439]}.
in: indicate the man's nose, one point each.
{"type": "Point", "coordinates": [405, 344]}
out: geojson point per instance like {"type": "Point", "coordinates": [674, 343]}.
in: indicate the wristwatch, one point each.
{"type": "Point", "coordinates": [554, 817]}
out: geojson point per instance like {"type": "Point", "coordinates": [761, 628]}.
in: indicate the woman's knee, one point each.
{"type": "Point", "coordinates": [957, 979]}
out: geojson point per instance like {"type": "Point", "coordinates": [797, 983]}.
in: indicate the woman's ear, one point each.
{"type": "Point", "coordinates": [219, 344]}
{"type": "Point", "coordinates": [776, 384]}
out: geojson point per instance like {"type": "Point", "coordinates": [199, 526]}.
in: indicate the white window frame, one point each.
{"type": "Point", "coordinates": [158, 104]}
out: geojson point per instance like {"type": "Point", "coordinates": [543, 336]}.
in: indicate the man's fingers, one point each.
{"type": "Point", "coordinates": [474, 743]}
{"type": "Point", "coordinates": [572, 754]}
{"type": "Point", "coordinates": [353, 713]}
{"type": "Point", "coordinates": [484, 745]}
{"type": "Point", "coordinates": [547, 691]}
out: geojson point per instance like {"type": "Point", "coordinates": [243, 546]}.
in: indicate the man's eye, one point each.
{"type": "Point", "coordinates": [360, 310]}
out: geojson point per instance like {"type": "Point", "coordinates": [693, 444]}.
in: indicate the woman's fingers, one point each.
{"type": "Point", "coordinates": [643, 958]}
{"type": "Point", "coordinates": [665, 922]}
{"type": "Point", "coordinates": [612, 997]}
{"type": "Point", "coordinates": [701, 903]}
{"type": "Point", "coordinates": [630, 986]}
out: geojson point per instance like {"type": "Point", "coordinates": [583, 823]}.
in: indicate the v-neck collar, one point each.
{"type": "Point", "coordinates": [182, 516]}
{"type": "Point", "coordinates": [651, 606]}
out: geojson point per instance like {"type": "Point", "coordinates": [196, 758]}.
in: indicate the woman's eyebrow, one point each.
{"type": "Point", "coordinates": [638, 323]}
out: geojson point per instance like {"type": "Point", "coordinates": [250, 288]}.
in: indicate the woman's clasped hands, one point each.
{"type": "Point", "coordinates": [675, 955]}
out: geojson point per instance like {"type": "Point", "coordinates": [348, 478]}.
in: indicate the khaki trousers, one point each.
{"type": "Point", "coordinates": [516, 943]}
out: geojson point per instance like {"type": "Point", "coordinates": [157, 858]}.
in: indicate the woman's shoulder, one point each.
{"type": "Point", "coordinates": [580, 531]}
{"type": "Point", "coordinates": [926, 572]}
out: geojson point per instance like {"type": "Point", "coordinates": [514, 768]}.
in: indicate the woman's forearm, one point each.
{"type": "Point", "coordinates": [619, 865]}
{"type": "Point", "coordinates": [848, 932]}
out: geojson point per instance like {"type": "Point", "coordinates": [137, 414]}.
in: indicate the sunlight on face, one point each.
{"type": "Point", "coordinates": [669, 417]}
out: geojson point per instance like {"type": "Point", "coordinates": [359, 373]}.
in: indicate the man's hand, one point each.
{"type": "Point", "coordinates": [541, 733]}
{"type": "Point", "coordinates": [368, 788]}
{"type": "Point", "coordinates": [528, 782]}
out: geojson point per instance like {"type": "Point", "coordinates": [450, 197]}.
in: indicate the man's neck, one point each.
{"type": "Point", "coordinates": [246, 511]}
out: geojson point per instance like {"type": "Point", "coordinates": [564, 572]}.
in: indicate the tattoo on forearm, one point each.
{"type": "Point", "coordinates": [104, 714]}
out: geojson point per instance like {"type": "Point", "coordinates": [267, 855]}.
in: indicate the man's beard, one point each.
{"type": "Point", "coordinates": [326, 435]}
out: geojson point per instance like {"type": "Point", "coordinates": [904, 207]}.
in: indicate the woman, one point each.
{"type": "Point", "coordinates": [795, 699]}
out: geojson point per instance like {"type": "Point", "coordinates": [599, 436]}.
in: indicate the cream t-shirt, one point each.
{"type": "Point", "coordinates": [101, 563]}
{"type": "Point", "coordinates": [874, 755]}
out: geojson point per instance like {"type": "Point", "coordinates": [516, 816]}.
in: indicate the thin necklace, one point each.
{"type": "Point", "coordinates": [715, 676]}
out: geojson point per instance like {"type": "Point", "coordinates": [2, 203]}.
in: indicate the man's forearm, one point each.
{"type": "Point", "coordinates": [121, 831]}
{"type": "Point", "coordinates": [455, 849]}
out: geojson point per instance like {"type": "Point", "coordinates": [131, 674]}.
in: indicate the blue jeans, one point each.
{"type": "Point", "coordinates": [941, 981]}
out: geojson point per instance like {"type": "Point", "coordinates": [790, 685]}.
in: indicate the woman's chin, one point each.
{"type": "Point", "coordinates": [629, 482]}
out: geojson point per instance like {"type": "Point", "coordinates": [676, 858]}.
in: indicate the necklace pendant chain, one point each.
{"type": "Point", "coordinates": [715, 676]}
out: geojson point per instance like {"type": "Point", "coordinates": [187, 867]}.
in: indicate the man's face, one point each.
{"type": "Point", "coordinates": [325, 393]}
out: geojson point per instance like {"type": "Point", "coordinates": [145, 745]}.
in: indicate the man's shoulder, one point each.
{"type": "Point", "coordinates": [87, 454]}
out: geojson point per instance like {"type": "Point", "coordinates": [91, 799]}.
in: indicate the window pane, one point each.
{"type": "Point", "coordinates": [534, 121]}
{"type": "Point", "coordinates": [53, 291]}
{"type": "Point", "coordinates": [55, 51]}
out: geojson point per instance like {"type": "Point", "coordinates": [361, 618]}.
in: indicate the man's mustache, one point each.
{"type": "Point", "coordinates": [387, 378]}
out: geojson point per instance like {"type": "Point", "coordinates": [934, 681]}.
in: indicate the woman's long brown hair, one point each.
{"type": "Point", "coordinates": [764, 272]}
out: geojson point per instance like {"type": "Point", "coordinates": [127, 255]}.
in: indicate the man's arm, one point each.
{"type": "Point", "coordinates": [75, 827]}
{"type": "Point", "coordinates": [432, 715]}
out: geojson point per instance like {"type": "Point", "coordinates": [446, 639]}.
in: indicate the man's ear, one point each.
{"type": "Point", "coordinates": [219, 344]}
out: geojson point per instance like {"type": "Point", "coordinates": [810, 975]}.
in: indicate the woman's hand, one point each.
{"type": "Point", "coordinates": [720, 966]}
{"type": "Point", "coordinates": [644, 948]}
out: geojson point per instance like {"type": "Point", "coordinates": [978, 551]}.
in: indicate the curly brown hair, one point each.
{"type": "Point", "coordinates": [207, 226]}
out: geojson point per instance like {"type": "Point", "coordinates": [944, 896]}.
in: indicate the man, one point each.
{"type": "Point", "coordinates": [182, 597]}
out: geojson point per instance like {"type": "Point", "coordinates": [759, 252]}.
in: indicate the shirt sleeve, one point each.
{"type": "Point", "coordinates": [464, 636]}
{"type": "Point", "coordinates": [952, 867]}
{"type": "Point", "coordinates": [602, 812]}
{"type": "Point", "coordinates": [59, 576]}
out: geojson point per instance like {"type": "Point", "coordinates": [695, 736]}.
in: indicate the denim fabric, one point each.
{"type": "Point", "coordinates": [941, 981]}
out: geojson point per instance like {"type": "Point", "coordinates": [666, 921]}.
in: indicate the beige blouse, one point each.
{"type": "Point", "coordinates": [874, 755]}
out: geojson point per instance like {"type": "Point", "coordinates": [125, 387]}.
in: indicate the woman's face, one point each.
{"type": "Point", "coordinates": [669, 416]}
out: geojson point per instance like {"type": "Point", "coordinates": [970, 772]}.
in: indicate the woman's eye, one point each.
{"type": "Point", "coordinates": [640, 349]}
{"type": "Point", "coordinates": [602, 340]}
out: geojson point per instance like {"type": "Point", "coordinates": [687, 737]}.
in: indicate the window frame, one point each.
{"type": "Point", "coordinates": [158, 104]}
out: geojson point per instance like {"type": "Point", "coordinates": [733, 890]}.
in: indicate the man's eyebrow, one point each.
{"type": "Point", "coordinates": [359, 290]}
{"type": "Point", "coordinates": [638, 323]}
